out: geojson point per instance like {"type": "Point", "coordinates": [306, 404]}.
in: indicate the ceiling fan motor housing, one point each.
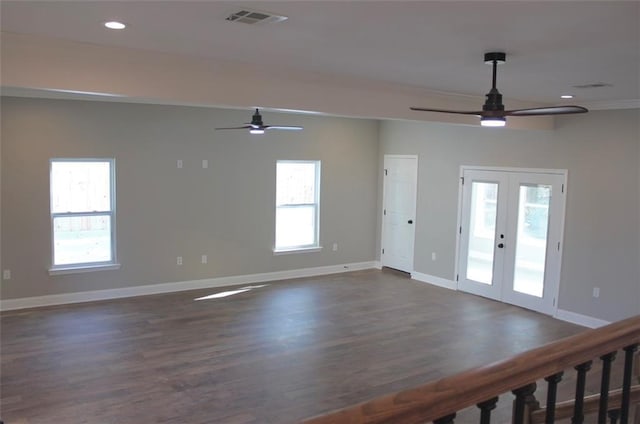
{"type": "Point", "coordinates": [493, 102]}
{"type": "Point", "coordinates": [256, 119]}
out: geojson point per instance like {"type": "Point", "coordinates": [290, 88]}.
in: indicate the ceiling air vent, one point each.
{"type": "Point", "coordinates": [247, 16]}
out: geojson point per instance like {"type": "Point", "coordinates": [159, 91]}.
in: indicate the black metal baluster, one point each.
{"type": "Point", "coordinates": [578, 411]}
{"type": "Point", "coordinates": [613, 415]}
{"type": "Point", "coordinates": [553, 380]}
{"type": "Point", "coordinates": [485, 409]}
{"type": "Point", "coordinates": [523, 395]}
{"type": "Point", "coordinates": [626, 383]}
{"type": "Point", "coordinates": [445, 420]}
{"type": "Point", "coordinates": [604, 387]}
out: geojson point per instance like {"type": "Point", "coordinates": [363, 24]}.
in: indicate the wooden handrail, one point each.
{"type": "Point", "coordinates": [451, 394]}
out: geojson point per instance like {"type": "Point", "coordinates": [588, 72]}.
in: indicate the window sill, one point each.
{"type": "Point", "coordinates": [61, 270]}
{"type": "Point", "coordinates": [297, 250]}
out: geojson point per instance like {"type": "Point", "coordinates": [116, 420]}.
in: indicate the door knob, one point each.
{"type": "Point", "coordinates": [410, 221]}
{"type": "Point", "coordinates": [501, 245]}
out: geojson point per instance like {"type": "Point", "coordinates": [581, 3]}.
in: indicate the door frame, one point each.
{"type": "Point", "coordinates": [384, 197]}
{"type": "Point", "coordinates": [562, 208]}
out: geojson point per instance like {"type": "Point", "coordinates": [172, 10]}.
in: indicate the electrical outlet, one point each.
{"type": "Point", "coordinates": [179, 260]}
{"type": "Point", "coordinates": [433, 256]}
{"type": "Point", "coordinates": [335, 247]}
{"type": "Point", "coordinates": [6, 274]}
{"type": "Point", "coordinates": [205, 163]}
{"type": "Point", "coordinates": [596, 292]}
{"type": "Point", "coordinates": [204, 259]}
{"type": "Point", "coordinates": [179, 163]}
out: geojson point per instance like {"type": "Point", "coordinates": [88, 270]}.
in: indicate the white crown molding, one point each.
{"type": "Point", "coordinates": [142, 290]}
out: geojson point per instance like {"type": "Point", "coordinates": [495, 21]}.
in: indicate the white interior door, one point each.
{"type": "Point", "coordinates": [399, 209]}
{"type": "Point", "coordinates": [510, 236]}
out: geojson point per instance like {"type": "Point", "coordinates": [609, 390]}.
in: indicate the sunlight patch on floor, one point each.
{"type": "Point", "coordinates": [230, 292]}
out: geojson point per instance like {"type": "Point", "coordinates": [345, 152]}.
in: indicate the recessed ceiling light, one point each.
{"type": "Point", "coordinates": [567, 96]}
{"type": "Point", "coordinates": [115, 25]}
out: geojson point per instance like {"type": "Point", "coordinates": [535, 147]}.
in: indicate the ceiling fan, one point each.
{"type": "Point", "coordinates": [256, 126]}
{"type": "Point", "coordinates": [493, 113]}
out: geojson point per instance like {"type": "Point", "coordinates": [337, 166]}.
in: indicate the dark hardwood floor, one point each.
{"type": "Point", "coordinates": [273, 354]}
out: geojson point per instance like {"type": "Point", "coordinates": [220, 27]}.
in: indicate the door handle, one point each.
{"type": "Point", "coordinates": [410, 221]}
{"type": "Point", "coordinates": [501, 245]}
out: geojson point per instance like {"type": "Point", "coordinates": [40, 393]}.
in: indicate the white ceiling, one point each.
{"type": "Point", "coordinates": [551, 46]}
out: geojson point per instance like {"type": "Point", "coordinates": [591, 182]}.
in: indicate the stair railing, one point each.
{"type": "Point", "coordinates": [610, 404]}
{"type": "Point", "coordinates": [439, 401]}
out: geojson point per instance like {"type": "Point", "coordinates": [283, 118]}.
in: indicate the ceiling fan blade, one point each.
{"type": "Point", "coordinates": [236, 128]}
{"type": "Point", "coordinates": [459, 112]}
{"type": "Point", "coordinates": [551, 110]}
{"type": "Point", "coordinates": [281, 127]}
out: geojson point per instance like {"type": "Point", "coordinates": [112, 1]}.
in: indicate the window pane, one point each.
{"type": "Point", "coordinates": [80, 186]}
{"type": "Point", "coordinates": [81, 239]}
{"type": "Point", "coordinates": [295, 183]}
{"type": "Point", "coordinates": [295, 226]}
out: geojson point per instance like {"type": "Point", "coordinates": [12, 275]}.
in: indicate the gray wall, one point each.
{"type": "Point", "coordinates": [225, 211]}
{"type": "Point", "coordinates": [601, 241]}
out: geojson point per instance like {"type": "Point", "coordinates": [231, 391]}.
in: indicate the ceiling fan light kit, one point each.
{"type": "Point", "coordinates": [493, 113]}
{"type": "Point", "coordinates": [493, 122]}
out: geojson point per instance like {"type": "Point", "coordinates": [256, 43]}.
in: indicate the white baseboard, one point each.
{"type": "Point", "coordinates": [561, 314]}
{"type": "Point", "coordinates": [89, 296]}
{"type": "Point", "coordinates": [436, 281]}
{"type": "Point", "coordinates": [575, 318]}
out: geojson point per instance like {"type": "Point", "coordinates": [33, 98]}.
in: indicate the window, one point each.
{"type": "Point", "coordinates": [297, 205]}
{"type": "Point", "coordinates": [82, 213]}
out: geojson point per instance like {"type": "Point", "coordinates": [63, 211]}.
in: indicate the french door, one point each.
{"type": "Point", "coordinates": [511, 236]}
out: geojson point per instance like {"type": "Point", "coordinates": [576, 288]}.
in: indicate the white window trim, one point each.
{"type": "Point", "coordinates": [315, 247]}
{"type": "Point", "coordinates": [296, 250]}
{"type": "Point", "coordinates": [86, 266]}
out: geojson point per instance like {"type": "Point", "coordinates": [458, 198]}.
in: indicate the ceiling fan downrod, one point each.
{"type": "Point", "coordinates": [494, 98]}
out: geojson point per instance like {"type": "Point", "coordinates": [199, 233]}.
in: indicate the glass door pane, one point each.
{"type": "Point", "coordinates": [531, 239]}
{"type": "Point", "coordinates": [482, 232]}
